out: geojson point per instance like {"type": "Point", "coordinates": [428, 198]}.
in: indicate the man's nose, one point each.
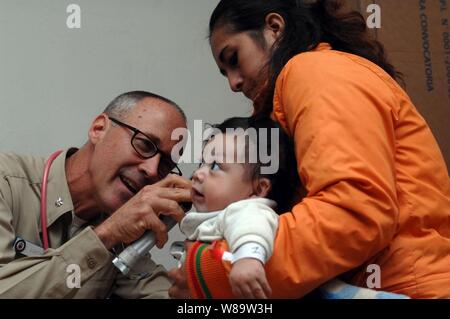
{"type": "Point", "coordinates": [235, 80]}
{"type": "Point", "coordinates": [150, 167]}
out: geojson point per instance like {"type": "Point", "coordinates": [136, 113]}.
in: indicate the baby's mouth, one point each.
{"type": "Point", "coordinates": [197, 193]}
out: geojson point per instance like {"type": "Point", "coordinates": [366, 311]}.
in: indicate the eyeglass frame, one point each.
{"type": "Point", "coordinates": [175, 170]}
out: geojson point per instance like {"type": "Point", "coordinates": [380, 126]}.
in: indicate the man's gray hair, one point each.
{"type": "Point", "coordinates": [122, 104]}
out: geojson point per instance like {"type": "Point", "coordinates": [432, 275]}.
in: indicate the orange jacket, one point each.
{"type": "Point", "coordinates": [378, 187]}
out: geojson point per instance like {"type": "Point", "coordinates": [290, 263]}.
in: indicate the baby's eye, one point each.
{"type": "Point", "coordinates": [215, 166]}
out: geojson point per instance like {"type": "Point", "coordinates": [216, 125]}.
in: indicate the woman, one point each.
{"type": "Point", "coordinates": [378, 188]}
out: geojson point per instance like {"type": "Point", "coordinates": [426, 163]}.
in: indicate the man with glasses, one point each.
{"type": "Point", "coordinates": [100, 197]}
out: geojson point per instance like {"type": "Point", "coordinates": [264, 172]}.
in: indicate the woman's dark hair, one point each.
{"type": "Point", "coordinates": [286, 187]}
{"type": "Point", "coordinates": [307, 23]}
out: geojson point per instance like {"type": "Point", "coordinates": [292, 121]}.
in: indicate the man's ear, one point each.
{"type": "Point", "coordinates": [262, 187]}
{"type": "Point", "coordinates": [274, 26]}
{"type": "Point", "coordinates": [98, 128]}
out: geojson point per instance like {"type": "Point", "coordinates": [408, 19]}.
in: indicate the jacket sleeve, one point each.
{"type": "Point", "coordinates": [47, 276]}
{"type": "Point", "coordinates": [342, 118]}
{"type": "Point", "coordinates": [249, 221]}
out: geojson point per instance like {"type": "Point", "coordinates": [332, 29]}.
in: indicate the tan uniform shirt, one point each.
{"type": "Point", "coordinates": [47, 276]}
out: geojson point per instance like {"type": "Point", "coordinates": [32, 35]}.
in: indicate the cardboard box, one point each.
{"type": "Point", "coordinates": [416, 36]}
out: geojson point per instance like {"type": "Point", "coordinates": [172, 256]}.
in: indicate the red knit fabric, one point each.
{"type": "Point", "coordinates": [193, 284]}
{"type": "Point", "coordinates": [211, 280]}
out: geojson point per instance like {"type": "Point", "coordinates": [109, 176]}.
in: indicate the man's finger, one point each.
{"type": "Point", "coordinates": [176, 194]}
{"type": "Point", "coordinates": [168, 207]}
{"type": "Point", "coordinates": [159, 229]}
{"type": "Point", "coordinates": [173, 180]}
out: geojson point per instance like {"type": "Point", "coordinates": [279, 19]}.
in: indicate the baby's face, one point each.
{"type": "Point", "coordinates": [223, 178]}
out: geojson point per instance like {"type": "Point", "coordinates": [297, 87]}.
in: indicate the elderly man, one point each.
{"type": "Point", "coordinates": [99, 197]}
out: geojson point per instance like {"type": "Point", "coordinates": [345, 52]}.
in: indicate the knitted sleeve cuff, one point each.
{"type": "Point", "coordinates": [207, 274]}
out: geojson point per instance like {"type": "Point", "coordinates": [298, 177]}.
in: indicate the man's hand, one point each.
{"type": "Point", "coordinates": [248, 279]}
{"type": "Point", "coordinates": [141, 212]}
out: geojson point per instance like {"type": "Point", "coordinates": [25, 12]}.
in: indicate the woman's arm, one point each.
{"type": "Point", "coordinates": [342, 117]}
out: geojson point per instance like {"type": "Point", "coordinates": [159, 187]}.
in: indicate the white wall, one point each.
{"type": "Point", "coordinates": [54, 80]}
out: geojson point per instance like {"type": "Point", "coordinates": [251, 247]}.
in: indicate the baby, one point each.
{"type": "Point", "coordinates": [237, 197]}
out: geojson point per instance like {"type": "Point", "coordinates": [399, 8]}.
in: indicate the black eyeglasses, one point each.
{"type": "Point", "coordinates": [146, 148]}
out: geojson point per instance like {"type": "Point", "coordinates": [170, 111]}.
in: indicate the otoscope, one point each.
{"type": "Point", "coordinates": [128, 258]}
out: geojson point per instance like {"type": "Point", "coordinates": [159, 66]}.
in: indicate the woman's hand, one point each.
{"type": "Point", "coordinates": [179, 289]}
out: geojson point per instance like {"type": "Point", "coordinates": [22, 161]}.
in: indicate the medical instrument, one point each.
{"type": "Point", "coordinates": [128, 258]}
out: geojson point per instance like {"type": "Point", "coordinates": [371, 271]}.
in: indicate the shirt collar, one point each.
{"type": "Point", "coordinates": [323, 46]}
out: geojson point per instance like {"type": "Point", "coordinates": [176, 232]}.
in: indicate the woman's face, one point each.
{"type": "Point", "coordinates": [242, 59]}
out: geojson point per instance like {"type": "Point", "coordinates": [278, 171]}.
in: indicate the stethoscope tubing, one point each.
{"type": "Point", "coordinates": [48, 164]}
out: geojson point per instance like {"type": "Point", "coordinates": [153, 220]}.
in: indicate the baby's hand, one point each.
{"type": "Point", "coordinates": [248, 279]}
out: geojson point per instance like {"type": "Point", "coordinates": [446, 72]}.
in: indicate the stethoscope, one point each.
{"type": "Point", "coordinates": [48, 164]}
{"type": "Point", "coordinates": [21, 245]}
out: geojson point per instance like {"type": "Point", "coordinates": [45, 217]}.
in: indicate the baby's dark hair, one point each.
{"type": "Point", "coordinates": [285, 183]}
